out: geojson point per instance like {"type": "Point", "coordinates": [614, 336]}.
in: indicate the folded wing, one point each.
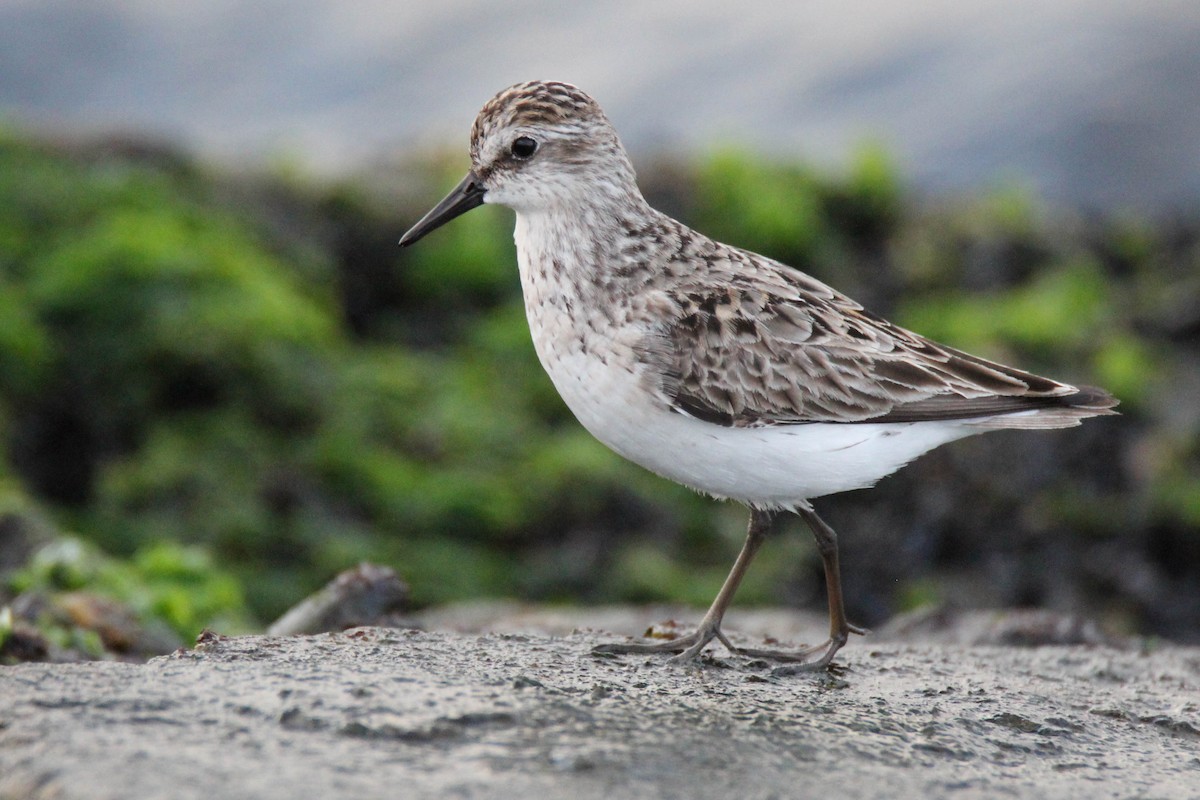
{"type": "Point", "coordinates": [791, 350]}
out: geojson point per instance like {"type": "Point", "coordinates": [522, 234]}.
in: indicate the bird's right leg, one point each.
{"type": "Point", "coordinates": [688, 647]}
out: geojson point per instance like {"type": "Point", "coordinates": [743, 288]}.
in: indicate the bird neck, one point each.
{"type": "Point", "coordinates": [586, 229]}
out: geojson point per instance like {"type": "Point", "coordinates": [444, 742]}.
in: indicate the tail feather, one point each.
{"type": "Point", "coordinates": [1067, 411]}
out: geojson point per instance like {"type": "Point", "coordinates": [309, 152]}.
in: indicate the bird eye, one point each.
{"type": "Point", "coordinates": [523, 147]}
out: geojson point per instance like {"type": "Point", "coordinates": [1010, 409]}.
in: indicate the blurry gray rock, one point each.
{"type": "Point", "coordinates": [365, 595]}
{"type": "Point", "coordinates": [1091, 102]}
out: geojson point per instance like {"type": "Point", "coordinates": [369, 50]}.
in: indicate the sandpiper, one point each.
{"type": "Point", "coordinates": [712, 366]}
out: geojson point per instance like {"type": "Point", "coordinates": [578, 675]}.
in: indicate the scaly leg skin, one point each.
{"type": "Point", "coordinates": [688, 647]}
{"type": "Point", "coordinates": [840, 628]}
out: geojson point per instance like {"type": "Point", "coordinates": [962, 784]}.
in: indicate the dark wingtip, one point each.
{"type": "Point", "coordinates": [1091, 398]}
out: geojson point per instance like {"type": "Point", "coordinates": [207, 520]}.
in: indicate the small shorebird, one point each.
{"type": "Point", "coordinates": [712, 366]}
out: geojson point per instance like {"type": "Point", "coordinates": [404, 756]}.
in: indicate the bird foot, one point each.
{"type": "Point", "coordinates": [687, 649]}
{"type": "Point", "coordinates": [802, 660]}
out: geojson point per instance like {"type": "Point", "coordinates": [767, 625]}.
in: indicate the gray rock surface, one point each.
{"type": "Point", "coordinates": [393, 713]}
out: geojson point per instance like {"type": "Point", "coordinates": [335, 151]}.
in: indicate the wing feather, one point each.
{"type": "Point", "coordinates": [787, 349]}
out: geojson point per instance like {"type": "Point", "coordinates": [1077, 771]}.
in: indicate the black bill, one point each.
{"type": "Point", "coordinates": [468, 194]}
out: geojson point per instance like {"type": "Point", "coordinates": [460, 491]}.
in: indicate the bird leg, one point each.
{"type": "Point", "coordinates": [840, 628]}
{"type": "Point", "coordinates": [688, 647]}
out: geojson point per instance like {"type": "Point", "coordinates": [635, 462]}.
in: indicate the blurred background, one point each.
{"type": "Point", "coordinates": [221, 382]}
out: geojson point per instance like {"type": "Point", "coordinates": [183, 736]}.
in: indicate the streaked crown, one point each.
{"type": "Point", "coordinates": [541, 143]}
{"type": "Point", "coordinates": [537, 104]}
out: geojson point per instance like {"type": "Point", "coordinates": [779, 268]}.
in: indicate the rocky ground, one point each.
{"type": "Point", "coordinates": [378, 712]}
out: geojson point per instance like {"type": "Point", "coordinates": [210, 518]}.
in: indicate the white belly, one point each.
{"type": "Point", "coordinates": [777, 466]}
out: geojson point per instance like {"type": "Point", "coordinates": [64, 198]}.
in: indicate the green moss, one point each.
{"type": "Point", "coordinates": [1128, 367]}
{"type": "Point", "coordinates": [648, 574]}
{"type": "Point", "coordinates": [768, 208]}
{"type": "Point", "coordinates": [472, 262]}
{"type": "Point", "coordinates": [25, 347]}
{"type": "Point", "coordinates": [916, 594]}
{"type": "Point", "coordinates": [1176, 496]}
{"type": "Point", "coordinates": [1063, 307]}
{"type": "Point", "coordinates": [178, 585]}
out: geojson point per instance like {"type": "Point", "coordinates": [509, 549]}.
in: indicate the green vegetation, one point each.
{"type": "Point", "coordinates": [165, 581]}
{"type": "Point", "coordinates": [229, 390]}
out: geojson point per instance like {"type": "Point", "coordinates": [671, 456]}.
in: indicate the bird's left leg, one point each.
{"type": "Point", "coordinates": [839, 627]}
